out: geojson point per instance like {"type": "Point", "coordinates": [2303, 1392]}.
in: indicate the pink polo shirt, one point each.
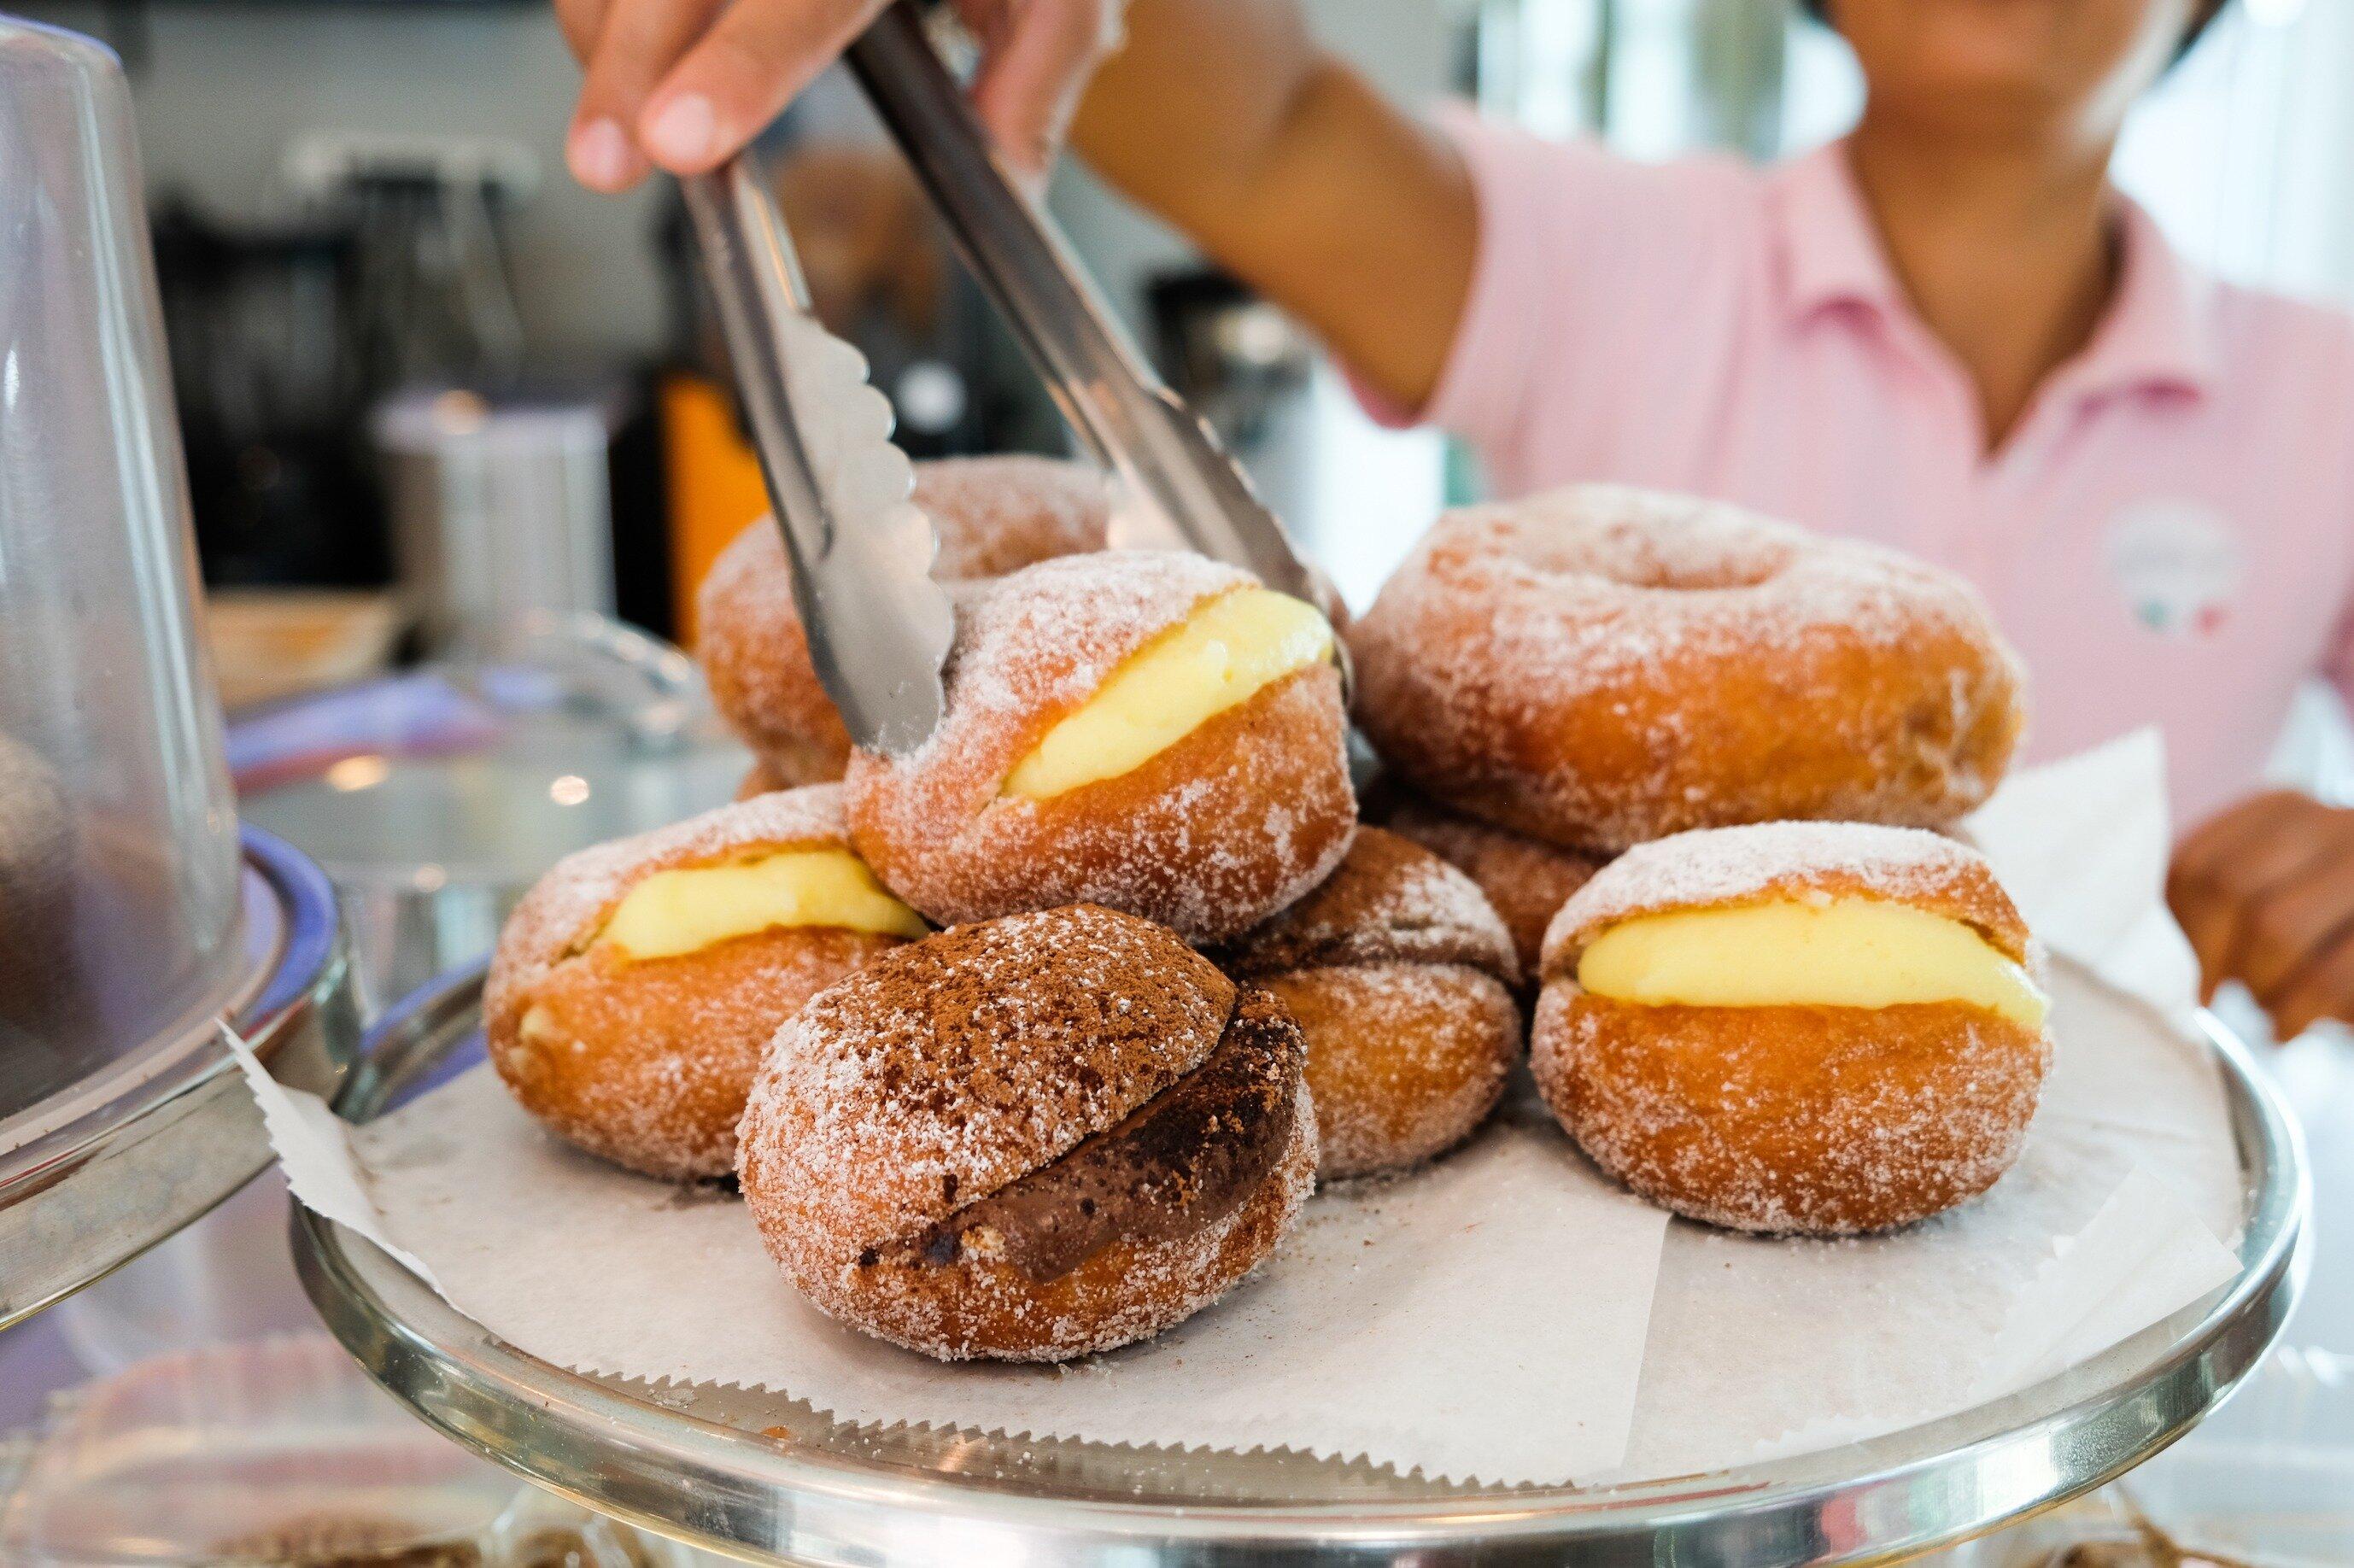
{"type": "Point", "coordinates": [2167, 538]}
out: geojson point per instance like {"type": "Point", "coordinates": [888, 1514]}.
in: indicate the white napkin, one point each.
{"type": "Point", "coordinates": [2141, 1258]}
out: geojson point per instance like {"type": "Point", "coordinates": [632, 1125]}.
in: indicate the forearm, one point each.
{"type": "Point", "coordinates": [1226, 119]}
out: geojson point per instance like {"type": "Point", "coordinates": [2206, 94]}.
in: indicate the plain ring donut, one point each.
{"type": "Point", "coordinates": [1600, 666]}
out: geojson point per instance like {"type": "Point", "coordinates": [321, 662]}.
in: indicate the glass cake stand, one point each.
{"type": "Point", "coordinates": [763, 1477]}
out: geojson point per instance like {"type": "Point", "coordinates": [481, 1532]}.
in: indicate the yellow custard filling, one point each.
{"type": "Point", "coordinates": [693, 908]}
{"type": "Point", "coordinates": [1840, 952]}
{"type": "Point", "coordinates": [1219, 657]}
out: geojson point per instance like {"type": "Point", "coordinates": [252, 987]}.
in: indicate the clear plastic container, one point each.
{"type": "Point", "coordinates": [119, 856]}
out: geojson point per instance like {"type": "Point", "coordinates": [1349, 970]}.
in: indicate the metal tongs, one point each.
{"type": "Point", "coordinates": [879, 626]}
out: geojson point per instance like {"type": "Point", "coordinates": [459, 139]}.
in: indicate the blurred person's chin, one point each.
{"type": "Point", "coordinates": [1991, 65]}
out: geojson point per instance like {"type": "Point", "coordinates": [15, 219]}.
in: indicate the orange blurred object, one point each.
{"type": "Point", "coordinates": [714, 485]}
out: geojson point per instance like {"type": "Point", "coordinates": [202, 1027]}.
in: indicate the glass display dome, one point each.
{"type": "Point", "coordinates": [131, 920]}
{"type": "Point", "coordinates": [118, 839]}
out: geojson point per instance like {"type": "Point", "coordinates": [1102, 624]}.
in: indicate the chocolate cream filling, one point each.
{"type": "Point", "coordinates": [1174, 1167]}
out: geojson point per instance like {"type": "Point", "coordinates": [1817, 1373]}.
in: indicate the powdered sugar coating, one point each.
{"type": "Point", "coordinates": [1399, 973]}
{"type": "Point", "coordinates": [1404, 1060]}
{"type": "Point", "coordinates": [1600, 665]}
{"type": "Point", "coordinates": [993, 514]}
{"type": "Point", "coordinates": [1389, 900]}
{"type": "Point", "coordinates": [1764, 861]}
{"type": "Point", "coordinates": [953, 1066]}
{"type": "Point", "coordinates": [1228, 825]}
{"type": "Point", "coordinates": [647, 1062]}
{"type": "Point", "coordinates": [1820, 1120]}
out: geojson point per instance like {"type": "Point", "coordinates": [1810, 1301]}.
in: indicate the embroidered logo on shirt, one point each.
{"type": "Point", "coordinates": [2177, 565]}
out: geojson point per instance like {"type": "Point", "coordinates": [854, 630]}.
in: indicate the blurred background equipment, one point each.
{"type": "Point", "coordinates": [500, 505]}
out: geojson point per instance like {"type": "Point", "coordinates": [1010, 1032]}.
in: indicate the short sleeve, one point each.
{"type": "Point", "coordinates": [1581, 257]}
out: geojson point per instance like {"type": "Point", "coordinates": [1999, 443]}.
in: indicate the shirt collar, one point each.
{"type": "Point", "coordinates": [2156, 332]}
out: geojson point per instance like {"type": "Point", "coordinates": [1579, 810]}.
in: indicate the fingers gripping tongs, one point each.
{"type": "Point", "coordinates": [879, 626]}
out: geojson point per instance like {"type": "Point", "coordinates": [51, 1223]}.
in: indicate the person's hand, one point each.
{"type": "Point", "coordinates": [2265, 891]}
{"type": "Point", "coordinates": [682, 85]}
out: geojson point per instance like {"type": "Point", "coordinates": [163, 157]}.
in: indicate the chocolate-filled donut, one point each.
{"type": "Point", "coordinates": [1029, 1138]}
{"type": "Point", "coordinates": [1401, 976]}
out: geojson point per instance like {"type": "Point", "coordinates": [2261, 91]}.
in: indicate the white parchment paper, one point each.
{"type": "Point", "coordinates": [1508, 1315]}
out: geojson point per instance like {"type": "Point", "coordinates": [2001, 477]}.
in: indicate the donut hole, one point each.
{"type": "Point", "coordinates": [1701, 554]}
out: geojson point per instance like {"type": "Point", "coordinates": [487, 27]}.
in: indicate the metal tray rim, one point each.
{"type": "Point", "coordinates": [2103, 1415]}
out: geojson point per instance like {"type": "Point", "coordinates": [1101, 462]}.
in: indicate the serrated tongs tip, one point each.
{"type": "Point", "coordinates": [878, 625]}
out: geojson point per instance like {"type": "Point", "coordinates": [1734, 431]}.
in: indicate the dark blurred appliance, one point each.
{"type": "Point", "coordinates": [258, 320]}
{"type": "Point", "coordinates": [434, 293]}
{"type": "Point", "coordinates": [285, 333]}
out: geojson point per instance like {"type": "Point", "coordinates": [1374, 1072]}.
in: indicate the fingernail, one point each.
{"type": "Point", "coordinates": [681, 130]}
{"type": "Point", "coordinates": [599, 154]}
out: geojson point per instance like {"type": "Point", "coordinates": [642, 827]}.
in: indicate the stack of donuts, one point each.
{"type": "Point", "coordinates": [1033, 1041]}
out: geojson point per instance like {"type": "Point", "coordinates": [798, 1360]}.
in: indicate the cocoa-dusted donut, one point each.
{"type": "Point", "coordinates": [1401, 977]}
{"type": "Point", "coordinates": [1824, 1028]}
{"type": "Point", "coordinates": [1598, 666]}
{"type": "Point", "coordinates": [1029, 1138]}
{"type": "Point", "coordinates": [1526, 879]}
{"type": "Point", "coordinates": [628, 1006]}
{"type": "Point", "coordinates": [993, 514]}
{"type": "Point", "coordinates": [1075, 668]}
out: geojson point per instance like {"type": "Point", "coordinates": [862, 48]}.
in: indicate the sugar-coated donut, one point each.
{"type": "Point", "coordinates": [993, 514]}
{"type": "Point", "coordinates": [1599, 666]}
{"type": "Point", "coordinates": [1029, 1138]}
{"type": "Point", "coordinates": [1822, 1028]}
{"type": "Point", "coordinates": [636, 987]}
{"type": "Point", "coordinates": [1146, 730]}
{"type": "Point", "coordinates": [1526, 879]}
{"type": "Point", "coordinates": [1401, 977]}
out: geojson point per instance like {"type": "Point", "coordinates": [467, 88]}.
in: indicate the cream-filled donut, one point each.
{"type": "Point", "coordinates": [1599, 666]}
{"type": "Point", "coordinates": [637, 985]}
{"type": "Point", "coordinates": [1152, 732]}
{"type": "Point", "coordinates": [993, 516]}
{"type": "Point", "coordinates": [1824, 1028]}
